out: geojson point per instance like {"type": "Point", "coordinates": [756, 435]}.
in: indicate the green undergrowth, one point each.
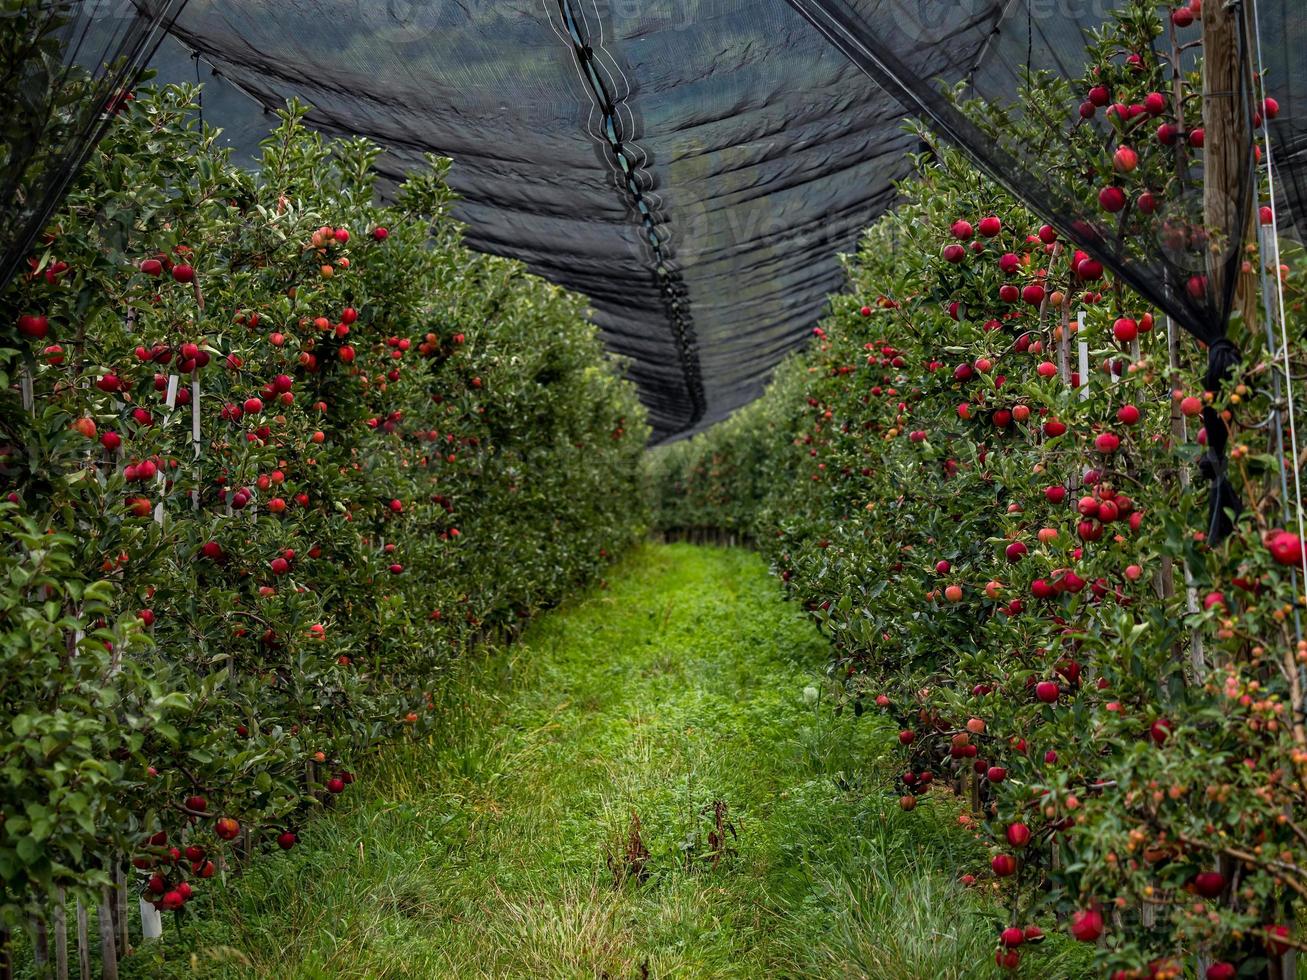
{"type": "Point", "coordinates": [652, 783]}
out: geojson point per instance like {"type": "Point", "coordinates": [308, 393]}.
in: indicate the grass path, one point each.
{"type": "Point", "coordinates": [675, 697]}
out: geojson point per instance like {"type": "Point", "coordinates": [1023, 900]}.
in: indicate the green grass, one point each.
{"type": "Point", "coordinates": [487, 848]}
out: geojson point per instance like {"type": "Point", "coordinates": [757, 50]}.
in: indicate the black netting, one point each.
{"type": "Point", "coordinates": [1283, 49]}
{"type": "Point", "coordinates": [757, 153]}
{"type": "Point", "coordinates": [65, 66]}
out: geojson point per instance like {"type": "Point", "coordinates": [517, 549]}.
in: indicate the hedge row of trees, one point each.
{"type": "Point", "coordinates": [1008, 552]}
{"type": "Point", "coordinates": [272, 455]}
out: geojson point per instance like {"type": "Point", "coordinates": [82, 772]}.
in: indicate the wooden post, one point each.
{"type": "Point", "coordinates": [40, 943]}
{"type": "Point", "coordinates": [60, 936]}
{"type": "Point", "coordinates": [83, 942]}
{"type": "Point", "coordinates": [120, 908]}
{"type": "Point", "coordinates": [108, 940]}
{"type": "Point", "coordinates": [1227, 185]}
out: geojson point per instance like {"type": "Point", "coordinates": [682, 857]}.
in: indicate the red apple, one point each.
{"type": "Point", "coordinates": [1112, 199]}
{"type": "Point", "coordinates": [1209, 884]}
{"type": "Point", "coordinates": [1087, 925]}
{"type": "Point", "coordinates": [1285, 548]}
{"type": "Point", "coordinates": [1124, 161]}
{"type": "Point", "coordinates": [1107, 442]}
{"type": "Point", "coordinates": [1273, 936]}
{"type": "Point", "coordinates": [34, 326]}
{"type": "Point", "coordinates": [226, 828]}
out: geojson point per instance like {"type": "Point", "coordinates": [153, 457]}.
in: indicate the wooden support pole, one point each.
{"type": "Point", "coordinates": [60, 936]}
{"type": "Point", "coordinates": [40, 943]}
{"type": "Point", "coordinates": [83, 941]}
{"type": "Point", "coordinates": [1227, 184]}
{"type": "Point", "coordinates": [108, 939]}
{"type": "Point", "coordinates": [120, 908]}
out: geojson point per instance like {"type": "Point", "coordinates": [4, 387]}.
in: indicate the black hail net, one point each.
{"type": "Point", "coordinates": [1283, 48]}
{"type": "Point", "coordinates": [1162, 251]}
{"type": "Point", "coordinates": [694, 166]}
{"type": "Point", "coordinates": [65, 66]}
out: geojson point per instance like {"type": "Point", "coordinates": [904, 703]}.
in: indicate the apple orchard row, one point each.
{"type": "Point", "coordinates": [1010, 555]}
{"type": "Point", "coordinates": [272, 457]}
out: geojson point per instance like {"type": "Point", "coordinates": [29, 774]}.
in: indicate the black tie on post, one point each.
{"type": "Point", "coordinates": [1222, 502]}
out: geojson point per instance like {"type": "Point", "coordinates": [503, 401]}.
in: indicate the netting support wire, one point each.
{"type": "Point", "coordinates": [626, 166]}
{"type": "Point", "coordinates": [989, 42]}
{"type": "Point", "coordinates": [1272, 317]}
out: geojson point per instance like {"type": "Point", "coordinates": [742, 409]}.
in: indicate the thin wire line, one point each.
{"type": "Point", "coordinates": [1279, 285]}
